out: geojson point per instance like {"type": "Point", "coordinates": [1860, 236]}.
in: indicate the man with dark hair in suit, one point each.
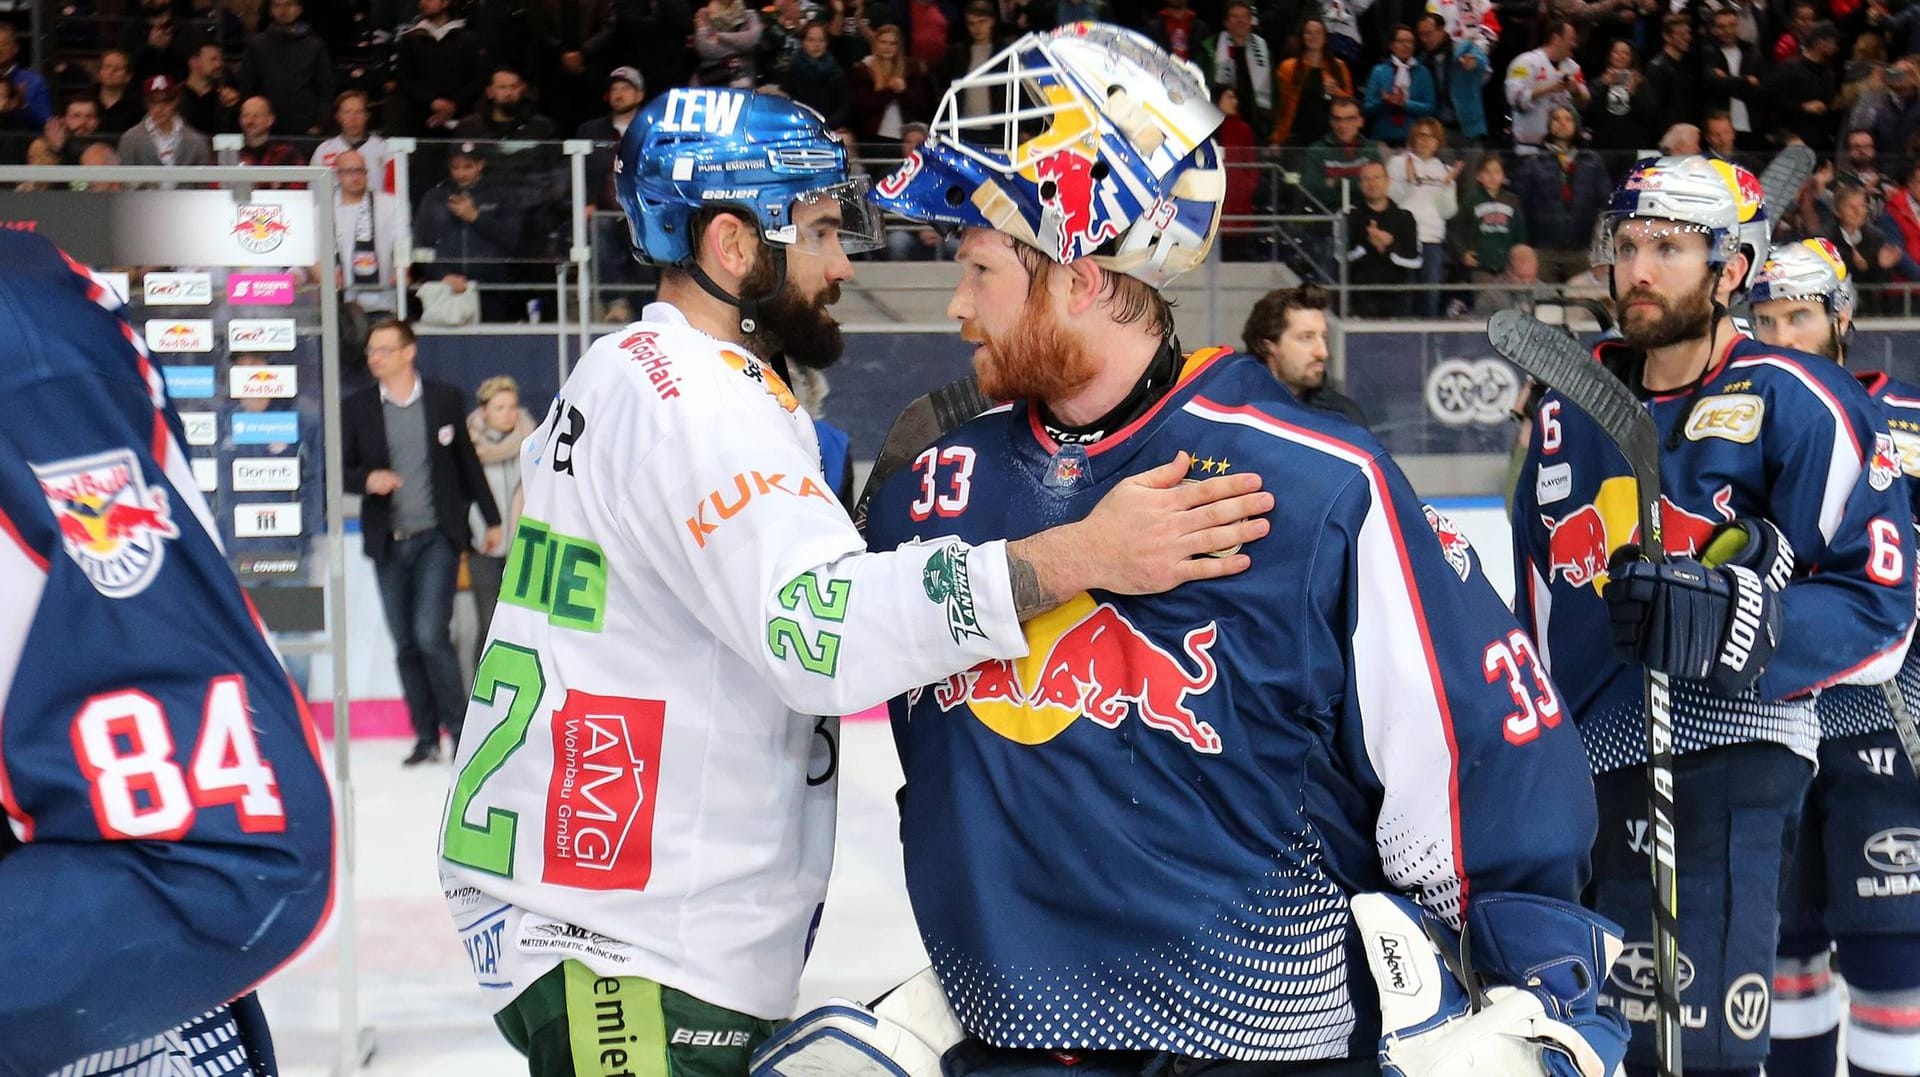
{"type": "Point", "coordinates": [405, 447]}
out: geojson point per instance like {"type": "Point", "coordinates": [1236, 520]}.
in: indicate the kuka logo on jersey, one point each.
{"type": "Point", "coordinates": [1580, 542]}
{"type": "Point", "coordinates": [111, 524]}
{"type": "Point", "coordinates": [1088, 659]}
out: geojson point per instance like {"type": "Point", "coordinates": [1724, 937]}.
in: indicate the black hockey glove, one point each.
{"type": "Point", "coordinates": [1717, 625]}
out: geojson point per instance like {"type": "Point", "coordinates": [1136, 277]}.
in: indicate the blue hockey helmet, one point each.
{"type": "Point", "coordinates": [765, 155]}
{"type": "Point", "coordinates": [1096, 144]}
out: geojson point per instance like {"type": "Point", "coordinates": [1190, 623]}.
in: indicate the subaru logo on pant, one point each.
{"type": "Point", "coordinates": [1633, 970]}
{"type": "Point", "coordinates": [1896, 851]}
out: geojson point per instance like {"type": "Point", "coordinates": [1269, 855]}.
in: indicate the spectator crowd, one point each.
{"type": "Point", "coordinates": [1447, 133]}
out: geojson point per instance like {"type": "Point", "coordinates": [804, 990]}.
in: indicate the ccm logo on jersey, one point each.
{"type": "Point", "coordinates": [606, 775]}
{"type": "Point", "coordinates": [111, 524]}
{"type": "Point", "coordinates": [1734, 418]}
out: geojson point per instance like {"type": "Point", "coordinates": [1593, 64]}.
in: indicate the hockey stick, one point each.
{"type": "Point", "coordinates": [917, 426]}
{"type": "Point", "coordinates": [1903, 725]}
{"type": "Point", "coordinates": [1781, 180]}
{"type": "Point", "coordinates": [1559, 362]}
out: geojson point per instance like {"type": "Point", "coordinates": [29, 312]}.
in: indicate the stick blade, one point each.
{"type": "Point", "coordinates": [919, 425]}
{"type": "Point", "coordinates": [1781, 180]}
{"type": "Point", "coordinates": [1552, 357]}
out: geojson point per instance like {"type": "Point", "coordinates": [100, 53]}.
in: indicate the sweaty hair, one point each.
{"type": "Point", "coordinates": [1129, 301]}
{"type": "Point", "coordinates": [1268, 319]}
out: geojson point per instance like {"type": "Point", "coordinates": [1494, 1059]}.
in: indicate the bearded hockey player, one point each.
{"type": "Point", "coordinates": [1211, 833]}
{"type": "Point", "coordinates": [1850, 895]}
{"type": "Point", "coordinates": [641, 820]}
{"type": "Point", "coordinates": [1789, 571]}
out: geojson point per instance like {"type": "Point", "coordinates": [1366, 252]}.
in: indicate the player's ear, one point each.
{"type": "Point", "coordinates": [1081, 282]}
{"type": "Point", "coordinates": [730, 246]}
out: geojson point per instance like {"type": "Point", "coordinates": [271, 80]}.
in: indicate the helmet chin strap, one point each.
{"type": "Point", "coordinates": [749, 306]}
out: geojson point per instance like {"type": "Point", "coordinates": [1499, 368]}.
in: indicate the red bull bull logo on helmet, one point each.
{"type": "Point", "coordinates": [1580, 541]}
{"type": "Point", "coordinates": [259, 227]}
{"type": "Point", "coordinates": [111, 525]}
{"type": "Point", "coordinates": [1067, 192]}
{"type": "Point", "coordinates": [1088, 660]}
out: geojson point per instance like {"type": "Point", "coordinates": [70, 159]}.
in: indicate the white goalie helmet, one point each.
{"type": "Point", "coordinates": [1699, 194]}
{"type": "Point", "coordinates": [1098, 145]}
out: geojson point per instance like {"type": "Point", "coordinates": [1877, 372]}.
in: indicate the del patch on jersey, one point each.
{"type": "Point", "coordinates": [112, 525]}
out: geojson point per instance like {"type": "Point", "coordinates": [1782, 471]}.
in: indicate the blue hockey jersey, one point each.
{"type": "Point", "coordinates": [1771, 434]}
{"type": "Point", "coordinates": [1848, 710]}
{"type": "Point", "coordinates": [1144, 835]}
{"type": "Point", "coordinates": [170, 824]}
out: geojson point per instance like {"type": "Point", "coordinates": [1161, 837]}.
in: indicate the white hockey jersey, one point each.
{"type": "Point", "coordinates": [639, 784]}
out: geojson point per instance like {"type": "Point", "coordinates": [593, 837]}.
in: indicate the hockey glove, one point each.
{"type": "Point", "coordinates": [1752, 544]}
{"type": "Point", "coordinates": [1716, 625]}
{"type": "Point", "coordinates": [1438, 1023]}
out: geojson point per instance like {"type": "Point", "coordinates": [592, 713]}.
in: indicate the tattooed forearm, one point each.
{"type": "Point", "coordinates": [1030, 598]}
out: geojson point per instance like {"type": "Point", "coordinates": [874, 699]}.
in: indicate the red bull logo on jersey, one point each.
{"type": "Point", "coordinates": [1067, 192]}
{"type": "Point", "coordinates": [1884, 467]}
{"type": "Point", "coordinates": [1580, 541]}
{"type": "Point", "coordinates": [259, 227]}
{"type": "Point", "coordinates": [1088, 660]}
{"type": "Point", "coordinates": [111, 524]}
{"type": "Point", "coordinates": [1453, 541]}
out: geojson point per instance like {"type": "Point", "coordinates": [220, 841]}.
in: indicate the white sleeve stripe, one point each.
{"type": "Point", "coordinates": [1847, 458]}
{"type": "Point", "coordinates": [1900, 401]}
{"type": "Point", "coordinates": [25, 573]}
{"type": "Point", "coordinates": [1412, 722]}
{"type": "Point", "coordinates": [1542, 596]}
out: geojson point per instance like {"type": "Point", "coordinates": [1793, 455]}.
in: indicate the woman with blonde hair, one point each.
{"type": "Point", "coordinates": [1421, 183]}
{"type": "Point", "coordinates": [890, 89]}
{"type": "Point", "coordinates": [497, 427]}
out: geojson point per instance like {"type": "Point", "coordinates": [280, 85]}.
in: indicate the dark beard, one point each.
{"type": "Point", "coordinates": [1689, 319]}
{"type": "Point", "coordinates": [791, 325]}
{"type": "Point", "coordinates": [1038, 359]}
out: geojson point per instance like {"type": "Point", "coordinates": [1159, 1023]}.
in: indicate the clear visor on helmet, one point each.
{"type": "Point", "coordinates": [1639, 232]}
{"type": "Point", "coordinates": [839, 217]}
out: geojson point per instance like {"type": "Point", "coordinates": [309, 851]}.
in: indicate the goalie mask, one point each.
{"type": "Point", "coordinates": [1099, 146]}
{"type": "Point", "coordinates": [1714, 198]}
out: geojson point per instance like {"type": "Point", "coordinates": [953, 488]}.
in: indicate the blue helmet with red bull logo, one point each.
{"type": "Point", "coordinates": [763, 155]}
{"type": "Point", "coordinates": [1098, 145]}
{"type": "Point", "coordinates": [1696, 194]}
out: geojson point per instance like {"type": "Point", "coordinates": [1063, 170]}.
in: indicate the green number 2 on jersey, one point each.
{"type": "Point", "coordinates": [489, 847]}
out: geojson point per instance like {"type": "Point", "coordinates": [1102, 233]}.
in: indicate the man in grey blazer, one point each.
{"type": "Point", "coordinates": [163, 138]}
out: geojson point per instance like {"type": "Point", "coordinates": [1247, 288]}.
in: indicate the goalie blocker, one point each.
{"type": "Point", "coordinates": [1518, 1001]}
